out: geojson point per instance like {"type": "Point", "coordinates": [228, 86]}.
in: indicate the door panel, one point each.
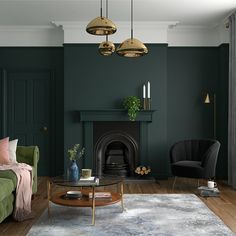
{"type": "Point", "coordinates": [29, 109]}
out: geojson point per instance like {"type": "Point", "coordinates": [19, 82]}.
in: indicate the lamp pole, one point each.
{"type": "Point", "coordinates": [214, 107]}
{"type": "Point", "coordinates": [208, 100]}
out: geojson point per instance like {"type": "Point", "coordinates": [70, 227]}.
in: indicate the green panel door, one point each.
{"type": "Point", "coordinates": [28, 113]}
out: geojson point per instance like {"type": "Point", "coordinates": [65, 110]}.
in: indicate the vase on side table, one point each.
{"type": "Point", "coordinates": [74, 173]}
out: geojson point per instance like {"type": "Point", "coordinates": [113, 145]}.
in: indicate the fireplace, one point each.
{"type": "Point", "coordinates": [112, 143]}
{"type": "Point", "coordinates": [116, 147]}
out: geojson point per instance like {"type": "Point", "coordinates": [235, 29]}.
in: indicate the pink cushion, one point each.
{"type": "Point", "coordinates": [4, 151]}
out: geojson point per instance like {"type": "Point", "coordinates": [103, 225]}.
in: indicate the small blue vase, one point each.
{"type": "Point", "coordinates": [74, 172]}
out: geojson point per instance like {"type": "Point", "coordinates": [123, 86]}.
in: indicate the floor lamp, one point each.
{"type": "Point", "coordinates": [208, 100]}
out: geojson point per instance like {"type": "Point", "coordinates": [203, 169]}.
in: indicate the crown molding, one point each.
{"type": "Point", "coordinates": [167, 32]}
{"type": "Point", "coordinates": [26, 27]}
{"type": "Point", "coordinates": [146, 31]}
{"type": "Point", "coordinates": [31, 36]}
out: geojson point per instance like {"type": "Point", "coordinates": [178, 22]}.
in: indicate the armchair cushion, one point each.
{"type": "Point", "coordinates": [188, 169]}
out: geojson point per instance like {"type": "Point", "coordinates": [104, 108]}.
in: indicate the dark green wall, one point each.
{"type": "Point", "coordinates": [96, 82]}
{"type": "Point", "coordinates": [193, 71]}
{"type": "Point", "coordinates": [222, 110]}
{"type": "Point", "coordinates": [37, 58]}
{"type": "Point", "coordinates": [179, 76]}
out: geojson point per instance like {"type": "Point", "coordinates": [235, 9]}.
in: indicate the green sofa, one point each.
{"type": "Point", "coordinates": [8, 179]}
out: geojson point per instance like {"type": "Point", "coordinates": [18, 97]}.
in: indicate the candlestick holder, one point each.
{"type": "Point", "coordinates": [146, 103]}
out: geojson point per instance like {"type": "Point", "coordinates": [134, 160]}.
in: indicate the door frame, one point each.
{"type": "Point", "coordinates": [4, 105]}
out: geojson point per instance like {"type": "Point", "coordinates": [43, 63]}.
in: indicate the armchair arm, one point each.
{"type": "Point", "coordinates": [210, 159]}
{"type": "Point", "coordinates": [28, 155]}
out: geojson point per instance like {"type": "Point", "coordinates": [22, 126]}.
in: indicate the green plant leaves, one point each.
{"type": "Point", "coordinates": [74, 152]}
{"type": "Point", "coordinates": [132, 104]}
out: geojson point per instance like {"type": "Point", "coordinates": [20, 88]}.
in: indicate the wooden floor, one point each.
{"type": "Point", "coordinates": [224, 206]}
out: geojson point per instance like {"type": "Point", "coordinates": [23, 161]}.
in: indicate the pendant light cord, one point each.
{"type": "Point", "coordinates": [131, 19]}
{"type": "Point", "coordinates": [101, 8]}
{"type": "Point", "coordinates": [106, 16]}
{"type": "Point", "coordinates": [106, 8]}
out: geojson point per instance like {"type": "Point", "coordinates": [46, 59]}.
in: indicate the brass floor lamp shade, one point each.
{"type": "Point", "coordinates": [106, 48]}
{"type": "Point", "coordinates": [101, 25]}
{"type": "Point", "coordinates": [132, 47]}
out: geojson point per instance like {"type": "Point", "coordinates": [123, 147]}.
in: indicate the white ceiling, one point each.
{"type": "Point", "coordinates": [186, 12]}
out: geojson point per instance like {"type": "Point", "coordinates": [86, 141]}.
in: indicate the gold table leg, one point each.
{"type": "Point", "coordinates": [93, 209]}
{"type": "Point", "coordinates": [122, 192]}
{"type": "Point", "coordinates": [49, 197]}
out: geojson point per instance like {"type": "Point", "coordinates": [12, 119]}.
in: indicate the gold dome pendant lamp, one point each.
{"type": "Point", "coordinates": [106, 48]}
{"type": "Point", "coordinates": [132, 47]}
{"type": "Point", "coordinates": [101, 25]}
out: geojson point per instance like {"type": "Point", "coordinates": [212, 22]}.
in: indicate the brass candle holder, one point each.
{"type": "Point", "coordinates": [146, 103]}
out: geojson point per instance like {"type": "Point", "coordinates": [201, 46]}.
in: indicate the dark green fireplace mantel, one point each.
{"type": "Point", "coordinates": [87, 117]}
{"type": "Point", "coordinates": [114, 115]}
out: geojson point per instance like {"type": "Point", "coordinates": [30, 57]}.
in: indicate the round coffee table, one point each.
{"type": "Point", "coordinates": [60, 199]}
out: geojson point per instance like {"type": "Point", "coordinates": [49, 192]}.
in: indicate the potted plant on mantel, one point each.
{"type": "Point", "coordinates": [133, 105]}
{"type": "Point", "coordinates": [75, 154]}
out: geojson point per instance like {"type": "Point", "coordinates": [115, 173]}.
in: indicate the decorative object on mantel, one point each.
{"type": "Point", "coordinates": [106, 48]}
{"type": "Point", "coordinates": [147, 99]}
{"type": "Point", "coordinates": [132, 47]}
{"type": "Point", "coordinates": [208, 100]}
{"type": "Point", "coordinates": [132, 104]}
{"type": "Point", "coordinates": [74, 155]}
{"type": "Point", "coordinates": [143, 170]}
{"type": "Point", "coordinates": [101, 25]}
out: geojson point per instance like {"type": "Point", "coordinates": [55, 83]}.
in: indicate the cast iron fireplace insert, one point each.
{"type": "Point", "coordinates": [116, 147]}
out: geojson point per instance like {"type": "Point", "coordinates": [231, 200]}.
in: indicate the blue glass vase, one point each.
{"type": "Point", "coordinates": [74, 174]}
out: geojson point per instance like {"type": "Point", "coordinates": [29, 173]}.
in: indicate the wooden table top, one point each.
{"type": "Point", "coordinates": [58, 198]}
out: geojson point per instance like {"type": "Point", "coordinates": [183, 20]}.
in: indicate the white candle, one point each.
{"type": "Point", "coordinates": [144, 91]}
{"type": "Point", "coordinates": [148, 90]}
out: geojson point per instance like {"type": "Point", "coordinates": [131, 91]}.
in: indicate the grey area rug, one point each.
{"type": "Point", "coordinates": [145, 214]}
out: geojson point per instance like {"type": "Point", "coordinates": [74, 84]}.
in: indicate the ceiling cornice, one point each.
{"type": "Point", "coordinates": [168, 32]}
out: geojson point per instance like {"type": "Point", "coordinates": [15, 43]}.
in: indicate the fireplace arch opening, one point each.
{"type": "Point", "coordinates": [116, 153]}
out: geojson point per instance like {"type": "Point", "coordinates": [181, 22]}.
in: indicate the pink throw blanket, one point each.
{"type": "Point", "coordinates": [22, 210]}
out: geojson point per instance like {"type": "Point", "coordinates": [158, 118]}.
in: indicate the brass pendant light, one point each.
{"type": "Point", "coordinates": [106, 48]}
{"type": "Point", "coordinates": [101, 25]}
{"type": "Point", "coordinates": [132, 47]}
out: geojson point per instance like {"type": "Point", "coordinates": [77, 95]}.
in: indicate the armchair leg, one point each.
{"type": "Point", "coordinates": [173, 186]}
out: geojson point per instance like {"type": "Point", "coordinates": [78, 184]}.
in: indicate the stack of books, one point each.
{"type": "Point", "coordinates": [98, 195]}
{"type": "Point", "coordinates": [208, 192]}
{"type": "Point", "coordinates": [89, 181]}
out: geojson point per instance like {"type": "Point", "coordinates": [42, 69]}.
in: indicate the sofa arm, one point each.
{"type": "Point", "coordinates": [28, 155]}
